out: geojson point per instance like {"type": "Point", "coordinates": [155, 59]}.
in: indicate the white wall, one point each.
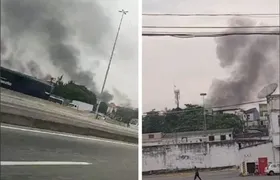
{"type": "Point", "coordinates": [202, 155]}
{"type": "Point", "coordinates": [251, 154]}
{"type": "Point", "coordinates": [274, 104]}
{"type": "Point", "coordinates": [186, 156]}
{"type": "Point", "coordinates": [83, 106]}
{"type": "Point", "coordinates": [274, 122]}
{"type": "Point", "coordinates": [275, 140]}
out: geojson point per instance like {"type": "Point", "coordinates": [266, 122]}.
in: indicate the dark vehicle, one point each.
{"type": "Point", "coordinates": [25, 84]}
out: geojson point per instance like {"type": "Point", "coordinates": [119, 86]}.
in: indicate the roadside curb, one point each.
{"type": "Point", "coordinates": [25, 121]}
{"type": "Point", "coordinates": [186, 171]}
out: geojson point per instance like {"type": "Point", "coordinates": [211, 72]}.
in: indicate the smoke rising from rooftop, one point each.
{"type": "Point", "coordinates": [51, 29]}
{"type": "Point", "coordinates": [253, 62]}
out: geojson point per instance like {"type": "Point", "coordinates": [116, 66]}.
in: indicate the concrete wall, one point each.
{"type": "Point", "coordinates": [274, 122]}
{"type": "Point", "coordinates": [274, 104]}
{"type": "Point", "coordinates": [251, 154]}
{"type": "Point", "coordinates": [152, 137]}
{"type": "Point", "coordinates": [186, 156]}
{"type": "Point", "coordinates": [275, 128]}
{"type": "Point", "coordinates": [203, 155]}
{"type": "Point", "coordinates": [178, 138]}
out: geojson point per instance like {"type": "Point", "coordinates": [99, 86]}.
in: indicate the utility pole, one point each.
{"type": "Point", "coordinates": [110, 60]}
{"type": "Point", "coordinates": [204, 114]}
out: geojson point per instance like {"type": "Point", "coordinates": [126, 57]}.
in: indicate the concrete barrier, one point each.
{"type": "Point", "coordinates": [18, 111]}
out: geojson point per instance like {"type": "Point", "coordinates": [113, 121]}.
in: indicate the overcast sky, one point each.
{"type": "Point", "coordinates": [124, 70]}
{"type": "Point", "coordinates": [90, 27]}
{"type": "Point", "coordinates": [190, 64]}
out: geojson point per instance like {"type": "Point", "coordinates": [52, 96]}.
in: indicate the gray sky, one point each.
{"type": "Point", "coordinates": [190, 64]}
{"type": "Point", "coordinates": [124, 70]}
{"type": "Point", "coordinates": [90, 26]}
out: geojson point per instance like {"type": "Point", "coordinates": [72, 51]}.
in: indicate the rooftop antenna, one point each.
{"type": "Point", "coordinates": [177, 96]}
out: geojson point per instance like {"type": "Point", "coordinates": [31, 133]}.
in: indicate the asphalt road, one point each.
{"type": "Point", "coordinates": [226, 175]}
{"type": "Point", "coordinates": [107, 160]}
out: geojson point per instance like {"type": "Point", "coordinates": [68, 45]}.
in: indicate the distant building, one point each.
{"type": "Point", "coordinates": [274, 117]}
{"type": "Point", "coordinates": [25, 84]}
{"type": "Point", "coordinates": [151, 139]}
{"type": "Point", "coordinates": [263, 115]}
{"type": "Point", "coordinates": [252, 118]}
{"type": "Point", "coordinates": [112, 108]}
{"type": "Point", "coordinates": [237, 111]}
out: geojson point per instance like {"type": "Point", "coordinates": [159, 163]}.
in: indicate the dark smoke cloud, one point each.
{"type": "Point", "coordinates": [52, 25]}
{"type": "Point", "coordinates": [35, 69]}
{"type": "Point", "coordinates": [106, 96]}
{"type": "Point", "coordinates": [122, 98]}
{"type": "Point", "coordinates": [253, 61]}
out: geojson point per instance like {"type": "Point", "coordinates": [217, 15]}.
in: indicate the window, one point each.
{"type": "Point", "coordinates": [279, 120]}
{"type": "Point", "coordinates": [151, 136]}
{"type": "Point", "coordinates": [223, 137]}
{"type": "Point", "coordinates": [184, 139]}
{"type": "Point", "coordinates": [248, 117]}
{"type": "Point", "coordinates": [211, 138]}
{"type": "Point", "coordinates": [229, 135]}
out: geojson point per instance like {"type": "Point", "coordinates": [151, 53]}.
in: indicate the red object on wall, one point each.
{"type": "Point", "coordinates": [262, 165]}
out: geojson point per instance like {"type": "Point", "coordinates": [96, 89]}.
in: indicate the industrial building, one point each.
{"type": "Point", "coordinates": [25, 84]}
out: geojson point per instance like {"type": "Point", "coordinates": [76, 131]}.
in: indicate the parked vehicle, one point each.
{"type": "Point", "coordinates": [273, 168]}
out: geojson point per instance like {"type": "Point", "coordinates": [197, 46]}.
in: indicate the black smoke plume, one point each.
{"type": "Point", "coordinates": [252, 60]}
{"type": "Point", "coordinates": [57, 28]}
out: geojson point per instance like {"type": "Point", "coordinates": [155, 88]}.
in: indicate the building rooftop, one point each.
{"type": "Point", "coordinates": [198, 133]}
{"type": "Point", "coordinates": [24, 75]}
{"type": "Point", "coordinates": [251, 110]}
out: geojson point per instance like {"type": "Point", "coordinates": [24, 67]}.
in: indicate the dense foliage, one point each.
{"type": "Point", "coordinates": [73, 91]}
{"type": "Point", "coordinates": [125, 114]}
{"type": "Point", "coordinates": [189, 119]}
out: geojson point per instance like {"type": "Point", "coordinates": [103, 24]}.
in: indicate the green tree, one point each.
{"type": "Point", "coordinates": [125, 114]}
{"type": "Point", "coordinates": [189, 119]}
{"type": "Point", "coordinates": [73, 91]}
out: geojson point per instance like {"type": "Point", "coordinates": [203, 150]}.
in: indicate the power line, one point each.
{"type": "Point", "coordinates": [209, 15]}
{"type": "Point", "coordinates": [196, 35]}
{"type": "Point", "coordinates": [208, 27]}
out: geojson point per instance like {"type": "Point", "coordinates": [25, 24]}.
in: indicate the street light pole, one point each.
{"type": "Point", "coordinates": [204, 115]}
{"type": "Point", "coordinates": [110, 60]}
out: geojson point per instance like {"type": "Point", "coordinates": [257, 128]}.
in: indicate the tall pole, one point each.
{"type": "Point", "coordinates": [110, 60]}
{"type": "Point", "coordinates": [204, 115]}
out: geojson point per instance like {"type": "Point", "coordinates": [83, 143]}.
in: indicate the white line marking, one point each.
{"type": "Point", "coordinates": [40, 163]}
{"type": "Point", "coordinates": [67, 135]}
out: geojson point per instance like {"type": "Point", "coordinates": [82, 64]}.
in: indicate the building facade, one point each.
{"type": "Point", "coordinates": [274, 124]}
{"type": "Point", "coordinates": [252, 118]}
{"type": "Point", "coordinates": [152, 139]}
{"type": "Point", "coordinates": [263, 115]}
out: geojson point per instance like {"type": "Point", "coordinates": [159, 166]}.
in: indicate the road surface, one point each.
{"type": "Point", "coordinates": [38, 154]}
{"type": "Point", "coordinates": [226, 175]}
